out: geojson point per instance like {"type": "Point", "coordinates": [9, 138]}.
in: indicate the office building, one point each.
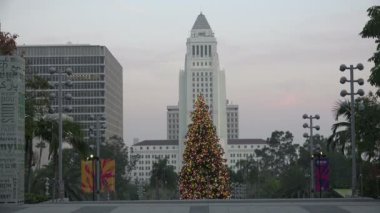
{"type": "Point", "coordinates": [97, 82]}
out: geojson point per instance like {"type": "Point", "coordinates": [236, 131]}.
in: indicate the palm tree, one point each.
{"type": "Point", "coordinates": [341, 129]}
{"type": "Point", "coordinates": [367, 126]}
{"type": "Point", "coordinates": [41, 145]}
{"type": "Point", "coordinates": [35, 108]}
{"type": "Point", "coordinates": [48, 131]}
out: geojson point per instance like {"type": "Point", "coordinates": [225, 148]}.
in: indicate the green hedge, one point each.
{"type": "Point", "coordinates": [35, 198]}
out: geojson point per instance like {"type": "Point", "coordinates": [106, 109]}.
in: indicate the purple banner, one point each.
{"type": "Point", "coordinates": [322, 173]}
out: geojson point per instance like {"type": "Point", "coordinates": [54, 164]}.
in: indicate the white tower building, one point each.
{"type": "Point", "coordinates": [202, 75]}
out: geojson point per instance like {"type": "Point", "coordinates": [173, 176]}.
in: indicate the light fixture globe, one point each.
{"type": "Point", "coordinates": [68, 109]}
{"type": "Point", "coordinates": [305, 125]}
{"type": "Point", "coordinates": [343, 93]}
{"type": "Point", "coordinates": [305, 135]}
{"type": "Point", "coordinates": [343, 80]}
{"type": "Point", "coordinates": [360, 81]}
{"type": "Point", "coordinates": [317, 117]}
{"type": "Point", "coordinates": [69, 71]}
{"type": "Point", "coordinates": [342, 67]}
{"type": "Point", "coordinates": [304, 116]}
{"type": "Point", "coordinates": [69, 83]}
{"type": "Point", "coordinates": [360, 92]}
{"type": "Point", "coordinates": [317, 127]}
{"type": "Point", "coordinates": [68, 96]}
{"type": "Point", "coordinates": [360, 66]}
{"type": "Point", "coordinates": [52, 70]}
{"type": "Point", "coordinates": [52, 95]}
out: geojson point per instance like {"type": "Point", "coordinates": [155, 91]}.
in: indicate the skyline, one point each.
{"type": "Point", "coordinates": [279, 63]}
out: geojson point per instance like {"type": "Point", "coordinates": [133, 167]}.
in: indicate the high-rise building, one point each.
{"type": "Point", "coordinates": [232, 121]}
{"type": "Point", "coordinates": [202, 75]}
{"type": "Point", "coordinates": [172, 122]}
{"type": "Point", "coordinates": [97, 81]}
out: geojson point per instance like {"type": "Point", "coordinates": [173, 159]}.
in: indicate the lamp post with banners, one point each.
{"type": "Point", "coordinates": [311, 147]}
{"type": "Point", "coordinates": [60, 73]}
{"type": "Point", "coordinates": [95, 132]}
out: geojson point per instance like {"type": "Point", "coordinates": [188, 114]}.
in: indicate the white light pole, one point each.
{"type": "Point", "coordinates": [99, 124]}
{"type": "Point", "coordinates": [60, 73]}
{"type": "Point", "coordinates": [311, 148]}
{"type": "Point", "coordinates": [343, 93]}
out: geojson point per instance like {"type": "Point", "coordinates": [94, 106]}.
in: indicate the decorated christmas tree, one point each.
{"type": "Point", "coordinates": [204, 173]}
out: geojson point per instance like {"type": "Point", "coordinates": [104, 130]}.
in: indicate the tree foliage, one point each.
{"type": "Point", "coordinates": [163, 180]}
{"type": "Point", "coordinates": [204, 174]}
{"type": "Point", "coordinates": [367, 127]}
{"type": "Point", "coordinates": [282, 169]}
{"type": "Point", "coordinates": [372, 30]}
{"type": "Point", "coordinates": [7, 43]}
{"type": "Point", "coordinates": [114, 148]}
{"type": "Point", "coordinates": [35, 108]}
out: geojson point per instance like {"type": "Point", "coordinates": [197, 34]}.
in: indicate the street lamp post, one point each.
{"type": "Point", "coordinates": [343, 93]}
{"type": "Point", "coordinates": [92, 158]}
{"type": "Point", "coordinates": [95, 133]}
{"type": "Point", "coordinates": [60, 73]}
{"type": "Point", "coordinates": [311, 146]}
{"type": "Point", "coordinates": [320, 156]}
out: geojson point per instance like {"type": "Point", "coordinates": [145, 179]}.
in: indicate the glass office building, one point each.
{"type": "Point", "coordinates": [97, 82]}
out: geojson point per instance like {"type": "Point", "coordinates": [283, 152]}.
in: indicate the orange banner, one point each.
{"type": "Point", "coordinates": [87, 176]}
{"type": "Point", "coordinates": [107, 175]}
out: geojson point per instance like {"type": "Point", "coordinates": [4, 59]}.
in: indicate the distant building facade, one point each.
{"type": "Point", "coordinates": [232, 121]}
{"type": "Point", "coordinates": [242, 149]}
{"type": "Point", "coordinates": [172, 122]}
{"type": "Point", "coordinates": [97, 81]}
{"type": "Point", "coordinates": [149, 151]}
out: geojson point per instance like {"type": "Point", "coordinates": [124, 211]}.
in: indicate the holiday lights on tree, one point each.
{"type": "Point", "coordinates": [204, 174]}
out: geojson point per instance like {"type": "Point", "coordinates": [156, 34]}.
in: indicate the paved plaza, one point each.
{"type": "Point", "coordinates": [205, 206]}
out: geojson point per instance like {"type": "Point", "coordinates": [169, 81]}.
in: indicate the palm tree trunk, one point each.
{"type": "Point", "coordinates": [39, 160]}
{"type": "Point", "coordinates": [55, 159]}
{"type": "Point", "coordinates": [157, 189]}
{"type": "Point", "coordinates": [28, 157]}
